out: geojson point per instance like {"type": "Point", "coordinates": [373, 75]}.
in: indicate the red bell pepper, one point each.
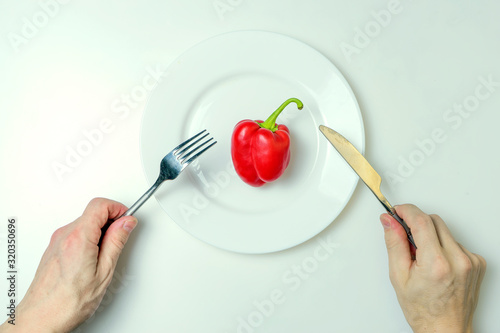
{"type": "Point", "coordinates": [261, 149]}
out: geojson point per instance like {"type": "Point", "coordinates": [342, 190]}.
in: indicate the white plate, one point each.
{"type": "Point", "coordinates": [247, 75]}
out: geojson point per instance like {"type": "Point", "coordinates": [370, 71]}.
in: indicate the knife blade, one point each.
{"type": "Point", "coordinates": [365, 171]}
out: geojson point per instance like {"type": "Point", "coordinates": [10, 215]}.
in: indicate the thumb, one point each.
{"type": "Point", "coordinates": [398, 249]}
{"type": "Point", "coordinates": [113, 242]}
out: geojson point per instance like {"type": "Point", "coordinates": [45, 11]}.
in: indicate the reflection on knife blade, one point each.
{"type": "Point", "coordinates": [364, 170]}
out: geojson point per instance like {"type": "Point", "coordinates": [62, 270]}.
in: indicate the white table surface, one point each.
{"type": "Point", "coordinates": [60, 77]}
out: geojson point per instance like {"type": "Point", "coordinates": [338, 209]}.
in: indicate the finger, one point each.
{"type": "Point", "coordinates": [477, 259]}
{"type": "Point", "coordinates": [478, 265]}
{"type": "Point", "coordinates": [472, 257]}
{"type": "Point", "coordinates": [474, 274]}
{"type": "Point", "coordinates": [113, 243]}
{"type": "Point", "coordinates": [423, 230]}
{"type": "Point", "coordinates": [444, 235]}
{"type": "Point", "coordinates": [481, 273]}
{"type": "Point", "coordinates": [482, 261]}
{"type": "Point", "coordinates": [99, 211]}
{"type": "Point", "coordinates": [482, 266]}
{"type": "Point", "coordinates": [398, 249]}
{"type": "Point", "coordinates": [467, 264]}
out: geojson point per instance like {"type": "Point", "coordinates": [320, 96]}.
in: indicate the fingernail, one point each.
{"type": "Point", "coordinates": [129, 225]}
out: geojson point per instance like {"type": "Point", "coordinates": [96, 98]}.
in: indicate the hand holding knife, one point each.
{"type": "Point", "coordinates": [365, 171]}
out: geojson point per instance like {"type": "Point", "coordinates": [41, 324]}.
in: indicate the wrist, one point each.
{"type": "Point", "coordinates": [25, 322]}
{"type": "Point", "coordinates": [442, 328]}
{"type": "Point", "coordinates": [7, 328]}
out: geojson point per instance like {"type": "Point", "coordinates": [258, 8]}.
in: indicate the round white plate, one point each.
{"type": "Point", "coordinates": [247, 75]}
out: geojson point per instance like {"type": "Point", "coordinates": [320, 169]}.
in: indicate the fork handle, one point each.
{"type": "Point", "coordinates": [142, 200]}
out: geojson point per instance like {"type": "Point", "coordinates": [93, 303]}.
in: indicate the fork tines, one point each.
{"type": "Point", "coordinates": [189, 153]}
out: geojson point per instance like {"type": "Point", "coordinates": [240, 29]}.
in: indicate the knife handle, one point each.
{"type": "Point", "coordinates": [405, 226]}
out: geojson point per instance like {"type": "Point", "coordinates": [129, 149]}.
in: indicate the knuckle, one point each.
{"type": "Point", "coordinates": [98, 199]}
{"type": "Point", "coordinates": [404, 208]}
{"type": "Point", "coordinates": [57, 234]}
{"type": "Point", "coordinates": [97, 203]}
{"type": "Point", "coordinates": [476, 263]}
{"type": "Point", "coordinates": [94, 201]}
{"type": "Point", "coordinates": [407, 205]}
{"type": "Point", "coordinates": [435, 217]}
{"type": "Point", "coordinates": [465, 263]}
{"type": "Point", "coordinates": [422, 221]}
{"type": "Point", "coordinates": [482, 261]}
{"type": "Point", "coordinates": [442, 268]}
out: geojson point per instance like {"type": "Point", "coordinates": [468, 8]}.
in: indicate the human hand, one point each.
{"type": "Point", "coordinates": [438, 290]}
{"type": "Point", "coordinates": [74, 271]}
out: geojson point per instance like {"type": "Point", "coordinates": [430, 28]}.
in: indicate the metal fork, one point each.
{"type": "Point", "coordinates": [173, 164]}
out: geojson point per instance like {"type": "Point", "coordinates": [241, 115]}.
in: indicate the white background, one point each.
{"type": "Point", "coordinates": [64, 76]}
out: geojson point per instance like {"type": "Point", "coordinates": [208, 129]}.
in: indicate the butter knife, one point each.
{"type": "Point", "coordinates": [365, 171]}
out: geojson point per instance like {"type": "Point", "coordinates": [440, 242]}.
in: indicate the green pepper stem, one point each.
{"type": "Point", "coordinates": [270, 122]}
